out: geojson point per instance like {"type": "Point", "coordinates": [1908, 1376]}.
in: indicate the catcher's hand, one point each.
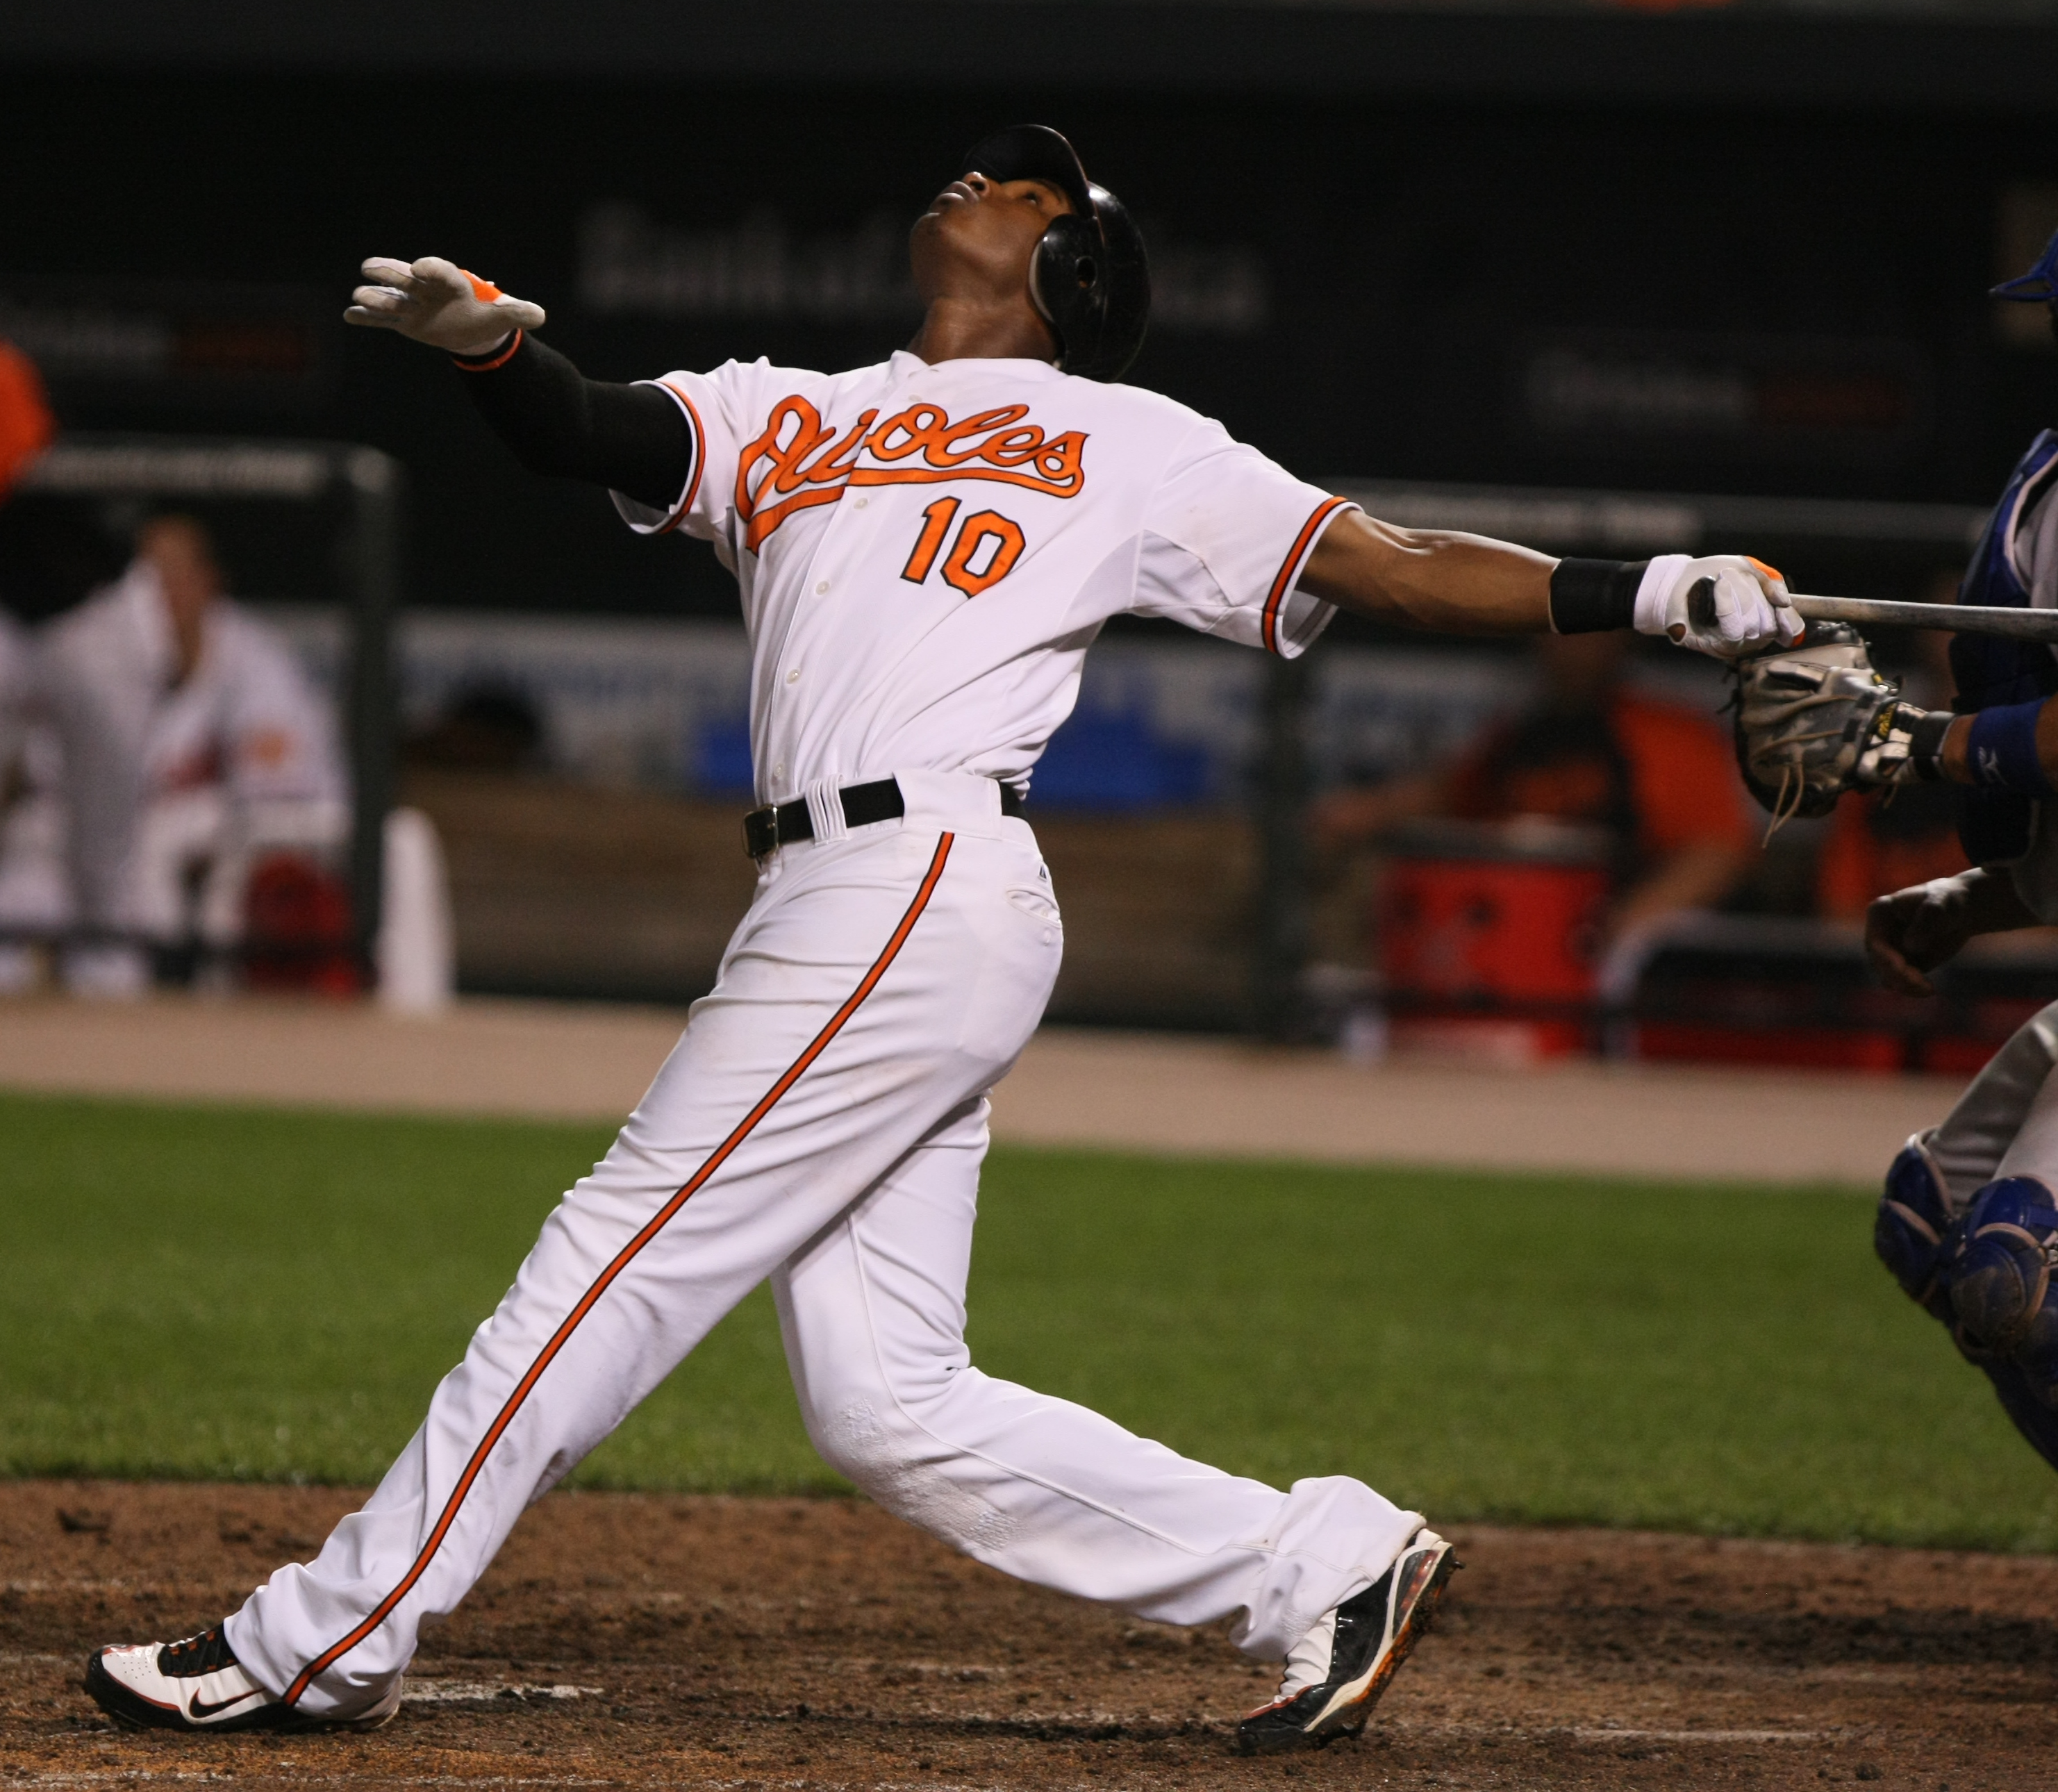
{"type": "Point", "coordinates": [1815, 720]}
{"type": "Point", "coordinates": [1723, 604]}
{"type": "Point", "coordinates": [437, 302]}
{"type": "Point", "coordinates": [1911, 932]}
{"type": "Point", "coordinates": [1908, 934]}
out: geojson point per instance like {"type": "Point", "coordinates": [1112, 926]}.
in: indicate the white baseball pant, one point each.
{"type": "Point", "coordinates": [821, 1122]}
{"type": "Point", "coordinates": [2006, 1122]}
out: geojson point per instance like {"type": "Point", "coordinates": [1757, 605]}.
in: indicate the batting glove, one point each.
{"type": "Point", "coordinates": [437, 302]}
{"type": "Point", "coordinates": [1728, 605]}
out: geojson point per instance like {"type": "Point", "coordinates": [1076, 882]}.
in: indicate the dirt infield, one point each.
{"type": "Point", "coordinates": [641, 1641]}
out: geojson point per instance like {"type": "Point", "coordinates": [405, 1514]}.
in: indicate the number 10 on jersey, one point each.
{"type": "Point", "coordinates": [986, 547]}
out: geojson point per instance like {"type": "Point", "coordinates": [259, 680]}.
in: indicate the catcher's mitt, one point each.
{"type": "Point", "coordinates": [1814, 720]}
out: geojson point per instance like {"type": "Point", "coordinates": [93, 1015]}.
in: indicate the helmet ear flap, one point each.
{"type": "Point", "coordinates": [1066, 286]}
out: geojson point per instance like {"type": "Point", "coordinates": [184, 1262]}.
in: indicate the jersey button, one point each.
{"type": "Point", "coordinates": [863, 502]}
{"type": "Point", "coordinates": [822, 588]}
{"type": "Point", "coordinates": [794, 678]}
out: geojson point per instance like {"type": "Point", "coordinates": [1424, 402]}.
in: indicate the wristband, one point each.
{"type": "Point", "coordinates": [2002, 750]}
{"type": "Point", "coordinates": [1587, 596]}
{"type": "Point", "coordinates": [1925, 742]}
{"type": "Point", "coordinates": [494, 357]}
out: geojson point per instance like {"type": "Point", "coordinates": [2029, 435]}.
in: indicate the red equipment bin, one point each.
{"type": "Point", "coordinates": [1487, 936]}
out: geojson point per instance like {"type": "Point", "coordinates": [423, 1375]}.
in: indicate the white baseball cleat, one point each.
{"type": "Point", "coordinates": [1336, 1673]}
{"type": "Point", "coordinates": [198, 1684]}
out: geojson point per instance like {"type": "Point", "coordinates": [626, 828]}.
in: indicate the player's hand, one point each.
{"type": "Point", "coordinates": [437, 302]}
{"type": "Point", "coordinates": [1908, 934]}
{"type": "Point", "coordinates": [1725, 604]}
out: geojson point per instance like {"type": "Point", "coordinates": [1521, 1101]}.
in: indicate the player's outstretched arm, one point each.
{"type": "Point", "coordinates": [1456, 584]}
{"type": "Point", "coordinates": [632, 439]}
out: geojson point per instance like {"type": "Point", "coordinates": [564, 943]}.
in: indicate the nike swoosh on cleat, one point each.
{"type": "Point", "coordinates": [199, 1710]}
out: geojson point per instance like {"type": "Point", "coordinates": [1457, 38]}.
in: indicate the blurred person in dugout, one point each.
{"type": "Point", "coordinates": [196, 768]}
{"type": "Point", "coordinates": [1651, 783]}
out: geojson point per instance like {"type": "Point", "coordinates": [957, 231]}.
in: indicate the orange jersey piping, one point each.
{"type": "Point", "coordinates": [700, 460]}
{"type": "Point", "coordinates": [1290, 568]}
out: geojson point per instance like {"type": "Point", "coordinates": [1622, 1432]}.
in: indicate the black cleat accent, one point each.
{"type": "Point", "coordinates": [197, 1684]}
{"type": "Point", "coordinates": [1375, 1632]}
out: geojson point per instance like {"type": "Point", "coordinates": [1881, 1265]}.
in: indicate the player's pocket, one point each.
{"type": "Point", "coordinates": [1039, 905]}
{"type": "Point", "coordinates": [1022, 941]}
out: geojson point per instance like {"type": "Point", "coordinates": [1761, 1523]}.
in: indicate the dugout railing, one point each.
{"type": "Point", "coordinates": [323, 521]}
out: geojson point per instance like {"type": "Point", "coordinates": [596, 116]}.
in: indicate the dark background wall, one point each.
{"type": "Point", "coordinates": [1659, 260]}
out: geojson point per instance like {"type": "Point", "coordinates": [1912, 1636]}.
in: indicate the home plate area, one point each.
{"type": "Point", "coordinates": [646, 1640]}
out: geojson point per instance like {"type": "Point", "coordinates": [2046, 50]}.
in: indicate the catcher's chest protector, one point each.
{"type": "Point", "coordinates": [1995, 826]}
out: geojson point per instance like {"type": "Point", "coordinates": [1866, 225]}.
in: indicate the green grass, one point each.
{"type": "Point", "coordinates": [197, 1292]}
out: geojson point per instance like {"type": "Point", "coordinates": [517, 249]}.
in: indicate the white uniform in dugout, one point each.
{"type": "Point", "coordinates": [925, 554]}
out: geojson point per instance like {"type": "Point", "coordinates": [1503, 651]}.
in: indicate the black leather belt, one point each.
{"type": "Point", "coordinates": [766, 829]}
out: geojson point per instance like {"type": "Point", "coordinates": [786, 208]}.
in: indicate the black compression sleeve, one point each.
{"type": "Point", "coordinates": [632, 439]}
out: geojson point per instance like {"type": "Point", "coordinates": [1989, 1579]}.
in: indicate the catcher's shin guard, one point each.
{"type": "Point", "coordinates": [2001, 1285]}
{"type": "Point", "coordinates": [2007, 1307]}
{"type": "Point", "coordinates": [1915, 1234]}
{"type": "Point", "coordinates": [2025, 1402]}
{"type": "Point", "coordinates": [1987, 1275]}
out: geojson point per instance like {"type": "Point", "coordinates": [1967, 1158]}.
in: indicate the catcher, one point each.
{"type": "Point", "coordinates": [1968, 1223]}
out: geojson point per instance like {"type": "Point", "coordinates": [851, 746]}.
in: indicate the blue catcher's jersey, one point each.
{"type": "Point", "coordinates": [1995, 826]}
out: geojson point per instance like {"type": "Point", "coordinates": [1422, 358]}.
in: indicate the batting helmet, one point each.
{"type": "Point", "coordinates": [1089, 278]}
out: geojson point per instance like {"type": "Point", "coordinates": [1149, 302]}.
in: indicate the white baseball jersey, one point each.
{"type": "Point", "coordinates": [926, 553]}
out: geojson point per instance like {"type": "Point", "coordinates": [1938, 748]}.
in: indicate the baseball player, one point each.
{"type": "Point", "coordinates": [925, 549]}
{"type": "Point", "coordinates": [1968, 1223]}
{"type": "Point", "coordinates": [191, 743]}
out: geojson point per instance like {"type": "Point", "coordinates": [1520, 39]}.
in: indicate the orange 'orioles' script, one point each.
{"type": "Point", "coordinates": [799, 462]}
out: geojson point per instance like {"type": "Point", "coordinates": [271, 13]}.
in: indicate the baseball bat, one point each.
{"type": "Point", "coordinates": [2018, 624]}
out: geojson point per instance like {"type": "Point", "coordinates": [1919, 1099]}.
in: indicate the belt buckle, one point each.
{"type": "Point", "coordinates": [761, 831]}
